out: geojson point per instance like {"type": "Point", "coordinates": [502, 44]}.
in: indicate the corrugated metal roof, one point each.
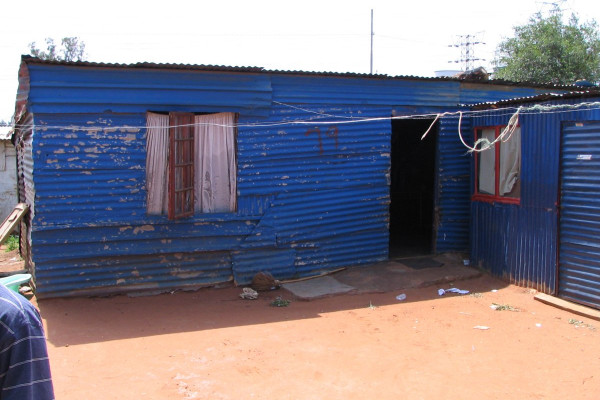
{"type": "Point", "coordinates": [576, 94]}
{"type": "Point", "coordinates": [5, 132]}
{"type": "Point", "coordinates": [223, 68]}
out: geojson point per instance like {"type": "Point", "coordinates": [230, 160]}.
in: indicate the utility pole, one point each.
{"type": "Point", "coordinates": [371, 41]}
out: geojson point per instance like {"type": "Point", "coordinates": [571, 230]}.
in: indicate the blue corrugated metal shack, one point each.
{"type": "Point", "coordinates": [323, 177]}
{"type": "Point", "coordinates": [545, 233]}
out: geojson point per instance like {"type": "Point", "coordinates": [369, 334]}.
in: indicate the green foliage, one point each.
{"type": "Point", "coordinates": [71, 49]}
{"type": "Point", "coordinates": [279, 302]}
{"type": "Point", "coordinates": [579, 323]}
{"type": "Point", "coordinates": [503, 307]}
{"type": "Point", "coordinates": [12, 243]}
{"type": "Point", "coordinates": [546, 50]}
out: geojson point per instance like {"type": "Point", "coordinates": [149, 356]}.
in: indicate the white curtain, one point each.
{"type": "Point", "coordinates": [157, 148]}
{"type": "Point", "coordinates": [487, 165]}
{"type": "Point", "coordinates": [214, 160]}
{"type": "Point", "coordinates": [510, 162]}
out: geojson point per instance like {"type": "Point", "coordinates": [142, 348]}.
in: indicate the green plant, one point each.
{"type": "Point", "coordinates": [579, 323]}
{"type": "Point", "coordinates": [12, 243]}
{"type": "Point", "coordinates": [503, 307]}
{"type": "Point", "coordinates": [279, 302]}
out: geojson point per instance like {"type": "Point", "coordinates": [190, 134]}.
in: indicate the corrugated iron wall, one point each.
{"type": "Point", "coordinates": [520, 242]}
{"type": "Point", "coordinates": [311, 196]}
{"type": "Point", "coordinates": [453, 189]}
{"type": "Point", "coordinates": [325, 189]}
{"type": "Point", "coordinates": [579, 264]}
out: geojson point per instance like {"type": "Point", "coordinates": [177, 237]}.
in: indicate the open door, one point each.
{"type": "Point", "coordinates": [412, 187]}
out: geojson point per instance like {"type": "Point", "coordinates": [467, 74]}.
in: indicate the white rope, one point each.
{"type": "Point", "coordinates": [511, 127]}
{"type": "Point", "coordinates": [504, 136]}
{"type": "Point", "coordinates": [431, 126]}
{"type": "Point", "coordinates": [477, 147]}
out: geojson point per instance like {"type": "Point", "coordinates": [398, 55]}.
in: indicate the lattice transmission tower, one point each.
{"type": "Point", "coordinates": [467, 45]}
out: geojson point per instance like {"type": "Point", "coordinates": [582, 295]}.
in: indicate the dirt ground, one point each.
{"type": "Point", "coordinates": [210, 344]}
{"type": "Point", "coordinates": [10, 261]}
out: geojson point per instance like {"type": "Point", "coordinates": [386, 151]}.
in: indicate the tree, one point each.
{"type": "Point", "coordinates": [72, 49]}
{"type": "Point", "coordinates": [546, 50]}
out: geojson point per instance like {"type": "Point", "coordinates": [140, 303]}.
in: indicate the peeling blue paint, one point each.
{"type": "Point", "coordinates": [311, 197]}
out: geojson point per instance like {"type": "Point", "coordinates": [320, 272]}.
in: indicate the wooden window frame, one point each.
{"type": "Point", "coordinates": [181, 165]}
{"type": "Point", "coordinates": [485, 197]}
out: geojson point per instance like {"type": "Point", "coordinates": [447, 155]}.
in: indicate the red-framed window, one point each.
{"type": "Point", "coordinates": [498, 167]}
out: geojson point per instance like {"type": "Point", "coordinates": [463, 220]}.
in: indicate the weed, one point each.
{"type": "Point", "coordinates": [503, 307]}
{"type": "Point", "coordinates": [371, 306]}
{"type": "Point", "coordinates": [279, 302]}
{"type": "Point", "coordinates": [579, 323]}
{"type": "Point", "coordinates": [12, 243]}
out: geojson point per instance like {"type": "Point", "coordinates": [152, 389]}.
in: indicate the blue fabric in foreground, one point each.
{"type": "Point", "coordinates": [24, 364]}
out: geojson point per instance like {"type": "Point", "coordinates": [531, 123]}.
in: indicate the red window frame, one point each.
{"type": "Point", "coordinates": [181, 165]}
{"type": "Point", "coordinates": [485, 197]}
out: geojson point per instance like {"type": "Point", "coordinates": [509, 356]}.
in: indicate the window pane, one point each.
{"type": "Point", "coordinates": [510, 166]}
{"type": "Point", "coordinates": [486, 168]}
{"type": "Point", "coordinates": [215, 174]}
{"type": "Point", "coordinates": [157, 150]}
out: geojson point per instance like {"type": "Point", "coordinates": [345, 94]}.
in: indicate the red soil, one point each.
{"type": "Point", "coordinates": [210, 344]}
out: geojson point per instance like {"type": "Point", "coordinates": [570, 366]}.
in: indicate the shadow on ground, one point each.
{"type": "Point", "coordinates": [73, 321]}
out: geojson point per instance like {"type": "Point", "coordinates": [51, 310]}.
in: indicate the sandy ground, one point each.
{"type": "Point", "coordinates": [210, 344]}
{"type": "Point", "coordinates": [10, 261]}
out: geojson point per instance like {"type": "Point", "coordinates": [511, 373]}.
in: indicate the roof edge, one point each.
{"type": "Point", "coordinates": [576, 94]}
{"type": "Point", "coordinates": [28, 59]}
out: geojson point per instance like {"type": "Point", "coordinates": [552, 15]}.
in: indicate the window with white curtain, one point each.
{"type": "Point", "coordinates": [190, 163]}
{"type": "Point", "coordinates": [498, 168]}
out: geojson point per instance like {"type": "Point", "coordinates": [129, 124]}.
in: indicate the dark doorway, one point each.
{"type": "Point", "coordinates": [412, 187]}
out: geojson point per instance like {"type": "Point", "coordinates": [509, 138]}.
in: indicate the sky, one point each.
{"type": "Point", "coordinates": [410, 37]}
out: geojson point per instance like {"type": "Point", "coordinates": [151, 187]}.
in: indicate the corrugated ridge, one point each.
{"type": "Point", "coordinates": [334, 91]}
{"type": "Point", "coordinates": [520, 242]}
{"type": "Point", "coordinates": [310, 197]}
{"type": "Point", "coordinates": [510, 244]}
{"type": "Point", "coordinates": [65, 89]}
{"type": "Point", "coordinates": [453, 186]}
{"type": "Point", "coordinates": [579, 268]}
{"type": "Point", "coordinates": [118, 274]}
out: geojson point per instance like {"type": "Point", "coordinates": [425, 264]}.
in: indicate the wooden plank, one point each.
{"type": "Point", "coordinates": [568, 306]}
{"type": "Point", "coordinates": [13, 219]}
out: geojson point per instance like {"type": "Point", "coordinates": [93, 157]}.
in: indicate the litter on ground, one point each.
{"type": "Point", "coordinates": [442, 292]}
{"type": "Point", "coordinates": [249, 294]}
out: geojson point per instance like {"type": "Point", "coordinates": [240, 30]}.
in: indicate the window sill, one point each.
{"type": "Point", "coordinates": [495, 199]}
